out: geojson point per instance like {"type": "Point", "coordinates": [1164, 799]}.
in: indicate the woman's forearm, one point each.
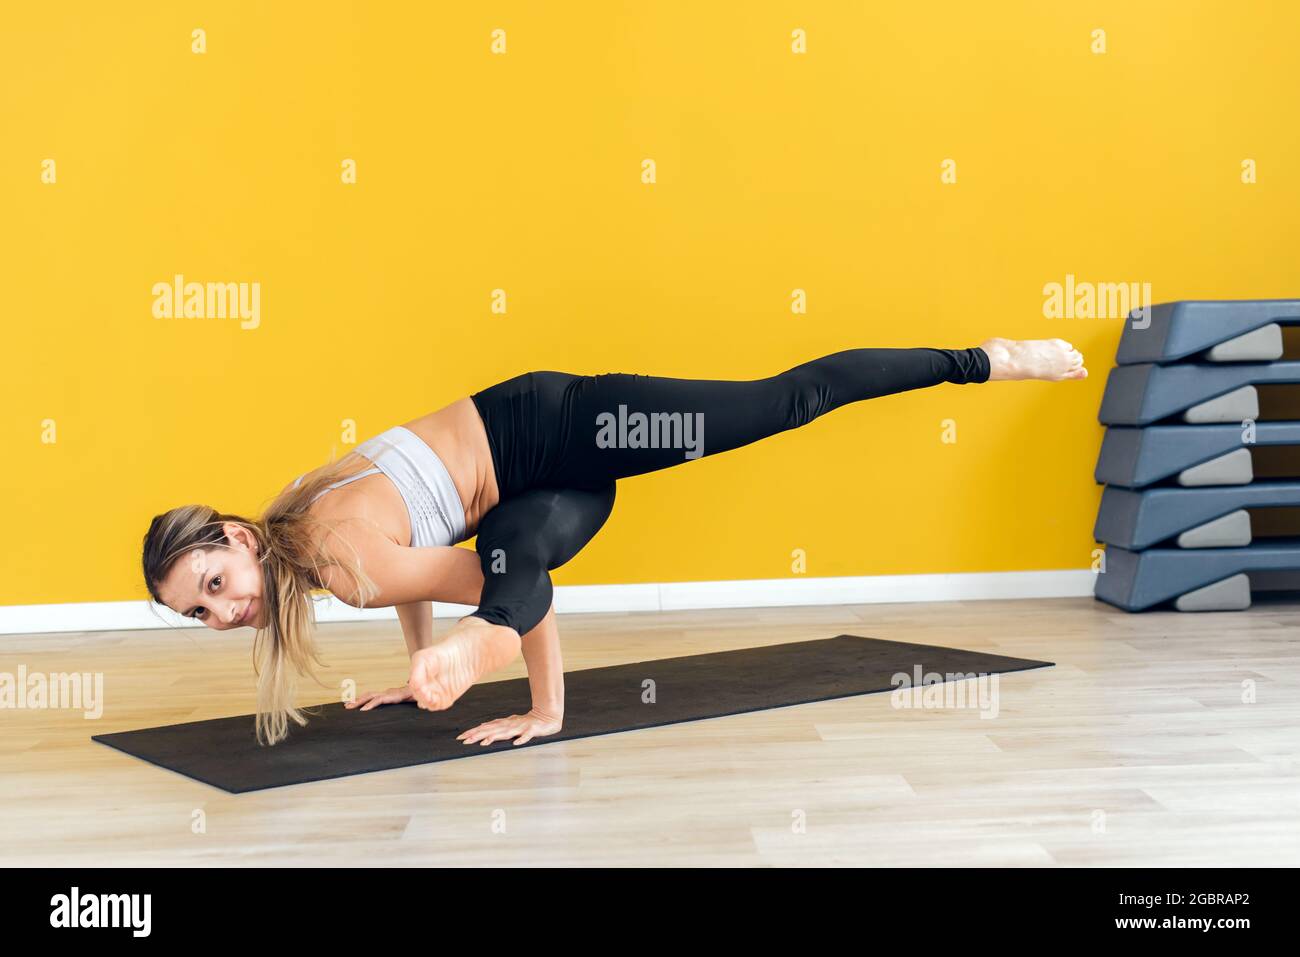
{"type": "Point", "coordinates": [417, 624]}
{"type": "Point", "coordinates": [541, 648]}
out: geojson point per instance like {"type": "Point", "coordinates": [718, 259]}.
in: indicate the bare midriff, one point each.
{"type": "Point", "coordinates": [457, 436]}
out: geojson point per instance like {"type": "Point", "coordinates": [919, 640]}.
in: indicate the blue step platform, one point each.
{"type": "Point", "coordinates": [1196, 579]}
{"type": "Point", "coordinates": [1178, 330]}
{"type": "Point", "coordinates": [1199, 517]}
{"type": "Point", "coordinates": [1198, 392]}
{"type": "Point", "coordinates": [1182, 513]}
{"type": "Point", "coordinates": [1186, 454]}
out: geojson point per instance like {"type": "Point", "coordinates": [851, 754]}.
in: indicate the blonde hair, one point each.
{"type": "Point", "coordinates": [291, 555]}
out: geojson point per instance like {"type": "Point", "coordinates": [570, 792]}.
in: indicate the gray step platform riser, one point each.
{"type": "Point", "coordinates": [1177, 330]}
{"type": "Point", "coordinates": [1138, 457]}
{"type": "Point", "coordinates": [1140, 519]}
{"type": "Point", "coordinates": [1146, 394]}
{"type": "Point", "coordinates": [1138, 580]}
{"type": "Point", "coordinates": [1181, 405]}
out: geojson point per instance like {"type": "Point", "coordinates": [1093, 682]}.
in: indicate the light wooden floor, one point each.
{"type": "Point", "coordinates": [1140, 726]}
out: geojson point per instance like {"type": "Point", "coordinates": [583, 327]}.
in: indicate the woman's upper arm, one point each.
{"type": "Point", "coordinates": [402, 574]}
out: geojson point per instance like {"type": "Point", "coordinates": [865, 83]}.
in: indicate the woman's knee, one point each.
{"type": "Point", "coordinates": [803, 396]}
{"type": "Point", "coordinates": [516, 594]}
{"type": "Point", "coordinates": [576, 517]}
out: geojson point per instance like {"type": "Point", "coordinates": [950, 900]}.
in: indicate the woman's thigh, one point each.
{"type": "Point", "coordinates": [551, 523]}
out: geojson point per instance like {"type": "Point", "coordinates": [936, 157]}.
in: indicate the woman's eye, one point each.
{"type": "Point", "coordinates": [199, 613]}
{"type": "Point", "coordinates": [215, 583]}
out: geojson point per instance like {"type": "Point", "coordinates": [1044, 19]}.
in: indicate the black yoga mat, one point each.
{"type": "Point", "coordinates": [337, 742]}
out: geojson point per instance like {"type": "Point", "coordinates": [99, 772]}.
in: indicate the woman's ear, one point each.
{"type": "Point", "coordinates": [238, 535]}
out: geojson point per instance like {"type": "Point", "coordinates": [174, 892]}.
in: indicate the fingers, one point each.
{"type": "Point", "coordinates": [501, 729]}
{"type": "Point", "coordinates": [373, 699]}
{"type": "Point", "coordinates": [523, 728]}
{"type": "Point", "coordinates": [485, 726]}
{"type": "Point", "coordinates": [497, 730]}
{"type": "Point", "coordinates": [473, 734]}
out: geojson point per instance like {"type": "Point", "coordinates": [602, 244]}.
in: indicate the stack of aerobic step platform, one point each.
{"type": "Point", "coordinates": [1202, 490]}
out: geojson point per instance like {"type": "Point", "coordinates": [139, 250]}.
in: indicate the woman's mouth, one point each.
{"type": "Point", "coordinates": [247, 616]}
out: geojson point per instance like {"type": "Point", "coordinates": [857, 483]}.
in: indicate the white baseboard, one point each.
{"type": "Point", "coordinates": [571, 599]}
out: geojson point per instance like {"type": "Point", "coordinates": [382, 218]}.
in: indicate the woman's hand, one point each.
{"type": "Point", "coordinates": [522, 727]}
{"type": "Point", "coordinates": [372, 699]}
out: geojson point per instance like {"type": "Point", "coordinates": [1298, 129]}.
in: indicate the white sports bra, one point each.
{"type": "Point", "coordinates": [437, 515]}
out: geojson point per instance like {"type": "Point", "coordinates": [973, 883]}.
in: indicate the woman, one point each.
{"type": "Point", "coordinates": [530, 466]}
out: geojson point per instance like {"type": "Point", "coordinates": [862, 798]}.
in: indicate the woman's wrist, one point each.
{"type": "Point", "coordinates": [549, 709]}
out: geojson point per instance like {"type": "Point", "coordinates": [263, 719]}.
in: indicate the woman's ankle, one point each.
{"type": "Point", "coordinates": [999, 357]}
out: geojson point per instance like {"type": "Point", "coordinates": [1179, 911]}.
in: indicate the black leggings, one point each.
{"type": "Point", "coordinates": [559, 443]}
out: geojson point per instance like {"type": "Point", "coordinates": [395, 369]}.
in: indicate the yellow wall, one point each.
{"type": "Point", "coordinates": [522, 171]}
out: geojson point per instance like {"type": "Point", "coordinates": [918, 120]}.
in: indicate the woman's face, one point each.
{"type": "Point", "coordinates": [220, 586]}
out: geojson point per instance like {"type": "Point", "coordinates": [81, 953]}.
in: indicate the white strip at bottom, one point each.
{"type": "Point", "coordinates": [576, 599]}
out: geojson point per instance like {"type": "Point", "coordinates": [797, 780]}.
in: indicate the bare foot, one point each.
{"type": "Point", "coordinates": [448, 668]}
{"type": "Point", "coordinates": [1053, 360]}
